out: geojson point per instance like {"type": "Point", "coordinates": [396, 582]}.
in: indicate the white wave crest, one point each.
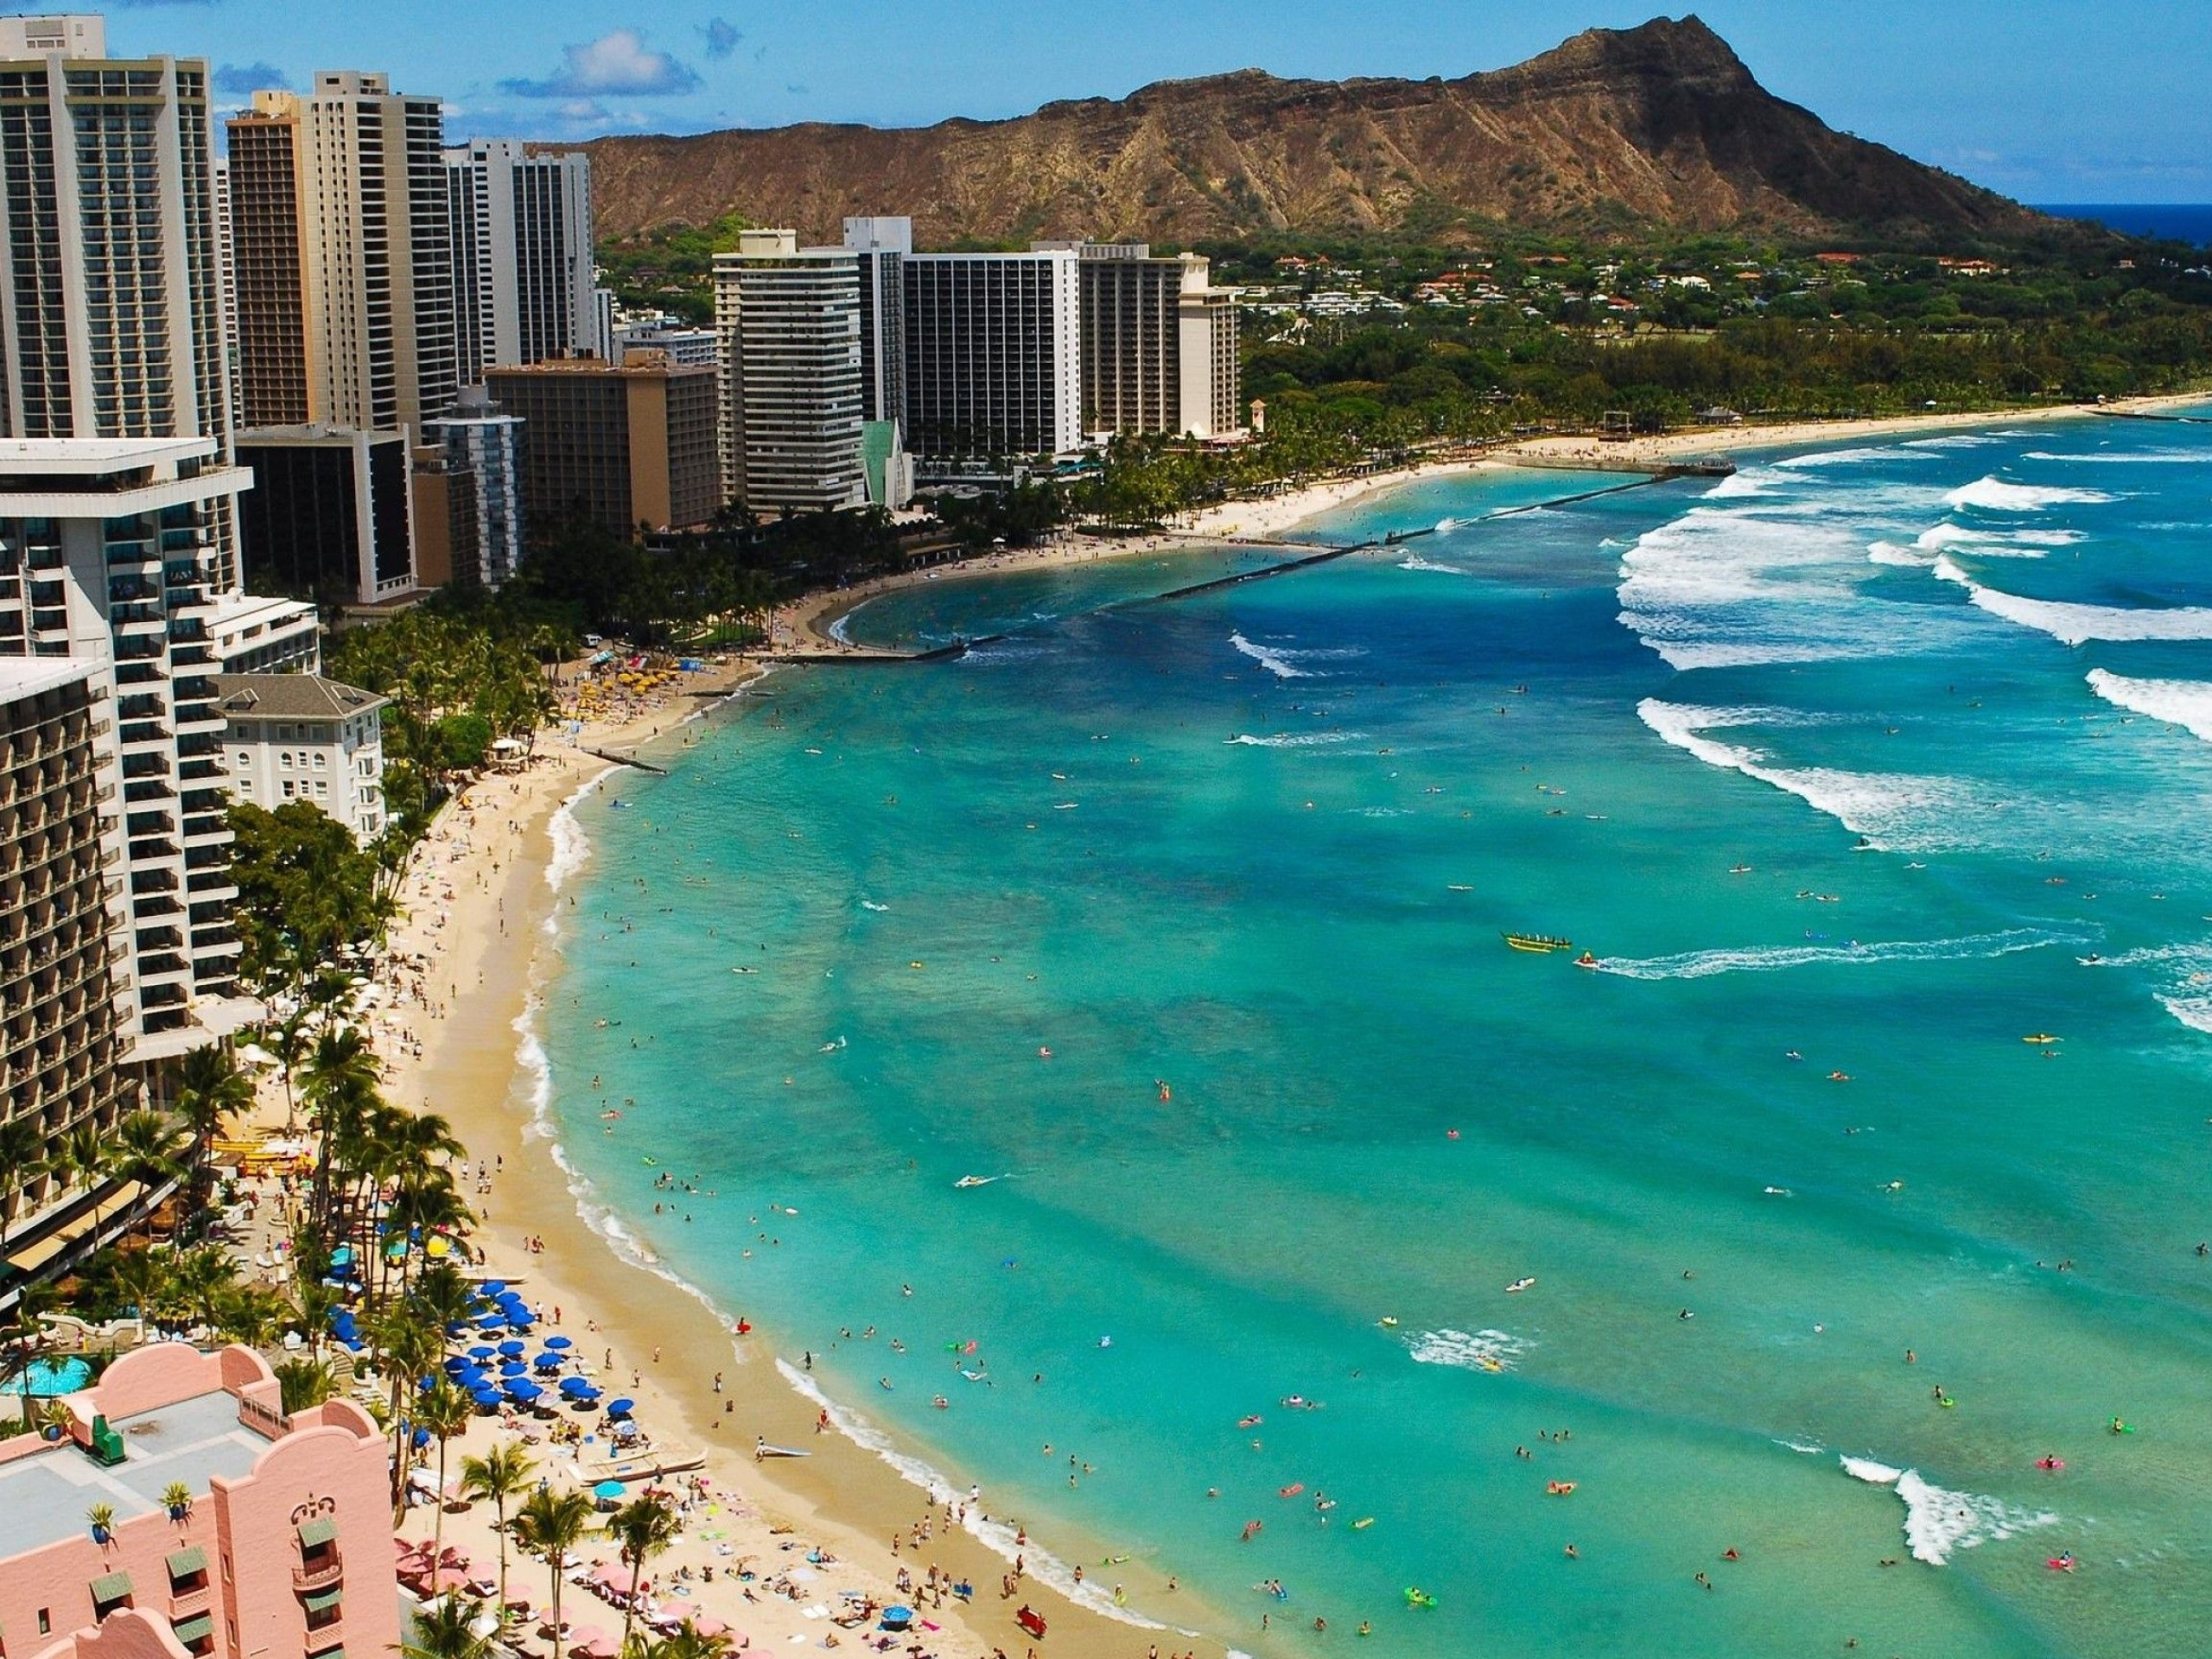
{"type": "Point", "coordinates": [1412, 563]}
{"type": "Point", "coordinates": [2136, 458]}
{"type": "Point", "coordinates": [997, 1536]}
{"type": "Point", "coordinates": [1890, 553]}
{"type": "Point", "coordinates": [1294, 740]}
{"type": "Point", "coordinates": [1477, 1350]}
{"type": "Point", "coordinates": [571, 846]}
{"type": "Point", "coordinates": [2179, 702]}
{"type": "Point", "coordinates": [2073, 625]}
{"type": "Point", "coordinates": [1997, 544]}
{"type": "Point", "coordinates": [1882, 806]}
{"type": "Point", "coordinates": [1445, 526]}
{"type": "Point", "coordinates": [1851, 457]}
{"type": "Point", "coordinates": [1993, 494]}
{"type": "Point", "coordinates": [1938, 1523]}
{"type": "Point", "coordinates": [2195, 1012]}
{"type": "Point", "coordinates": [1283, 661]}
{"type": "Point", "coordinates": [1952, 441]}
{"type": "Point", "coordinates": [1756, 959]}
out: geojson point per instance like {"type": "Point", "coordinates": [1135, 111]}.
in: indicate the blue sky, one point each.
{"type": "Point", "coordinates": [2048, 100]}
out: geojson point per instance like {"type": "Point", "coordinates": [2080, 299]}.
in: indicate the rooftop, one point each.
{"type": "Point", "coordinates": [44, 457]}
{"type": "Point", "coordinates": [291, 697]}
{"type": "Point", "coordinates": [43, 1497]}
{"type": "Point", "coordinates": [26, 676]}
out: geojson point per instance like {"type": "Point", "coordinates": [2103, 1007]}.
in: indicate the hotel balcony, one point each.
{"type": "Point", "coordinates": [321, 1576]}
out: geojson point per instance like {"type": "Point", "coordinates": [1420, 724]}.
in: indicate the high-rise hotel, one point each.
{"type": "Point", "coordinates": [789, 320]}
{"type": "Point", "coordinates": [117, 567]}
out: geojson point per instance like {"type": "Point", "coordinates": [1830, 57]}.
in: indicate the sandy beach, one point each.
{"type": "Point", "coordinates": [477, 901]}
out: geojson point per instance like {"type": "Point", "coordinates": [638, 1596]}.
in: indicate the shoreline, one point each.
{"type": "Point", "coordinates": [488, 937]}
{"type": "Point", "coordinates": [811, 624]}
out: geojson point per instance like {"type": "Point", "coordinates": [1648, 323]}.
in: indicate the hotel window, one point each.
{"type": "Point", "coordinates": [290, 789]}
{"type": "Point", "coordinates": [245, 757]}
{"type": "Point", "coordinates": [321, 760]}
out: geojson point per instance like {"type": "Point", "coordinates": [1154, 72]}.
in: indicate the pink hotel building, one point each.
{"type": "Point", "coordinates": [284, 1552]}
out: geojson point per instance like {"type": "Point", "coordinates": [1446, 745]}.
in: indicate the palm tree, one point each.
{"type": "Point", "coordinates": [150, 1149]}
{"type": "Point", "coordinates": [82, 1159]}
{"type": "Point", "coordinates": [144, 1278]}
{"type": "Point", "coordinates": [305, 1383]}
{"type": "Point", "coordinates": [29, 1337]}
{"type": "Point", "coordinates": [505, 1472]}
{"type": "Point", "coordinates": [407, 1346]}
{"type": "Point", "coordinates": [644, 1527]}
{"type": "Point", "coordinates": [446, 1629]}
{"type": "Point", "coordinates": [445, 1411]}
{"type": "Point", "coordinates": [21, 1149]}
{"type": "Point", "coordinates": [553, 1524]}
{"type": "Point", "coordinates": [210, 1088]}
{"type": "Point", "coordinates": [688, 1641]}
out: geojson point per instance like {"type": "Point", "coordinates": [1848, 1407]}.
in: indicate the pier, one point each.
{"type": "Point", "coordinates": [614, 759]}
{"type": "Point", "coordinates": [2144, 415]}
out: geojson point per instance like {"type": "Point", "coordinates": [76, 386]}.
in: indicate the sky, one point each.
{"type": "Point", "coordinates": [2045, 100]}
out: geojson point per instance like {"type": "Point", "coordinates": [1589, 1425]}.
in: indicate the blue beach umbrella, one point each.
{"type": "Point", "coordinates": [573, 1385]}
{"type": "Point", "coordinates": [620, 1408]}
{"type": "Point", "coordinates": [483, 1350]}
{"type": "Point", "coordinates": [512, 1349]}
{"type": "Point", "coordinates": [548, 1362]}
{"type": "Point", "coordinates": [558, 1342]}
{"type": "Point", "coordinates": [494, 1286]}
{"type": "Point", "coordinates": [607, 1489]}
{"type": "Point", "coordinates": [492, 1322]}
{"type": "Point", "coordinates": [513, 1368]}
{"type": "Point", "coordinates": [524, 1389]}
{"type": "Point", "coordinates": [486, 1398]}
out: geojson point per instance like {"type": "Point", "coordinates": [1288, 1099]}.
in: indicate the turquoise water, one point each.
{"type": "Point", "coordinates": [1854, 770]}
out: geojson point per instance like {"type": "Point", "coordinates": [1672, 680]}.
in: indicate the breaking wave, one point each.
{"type": "Point", "coordinates": [1293, 740]}
{"type": "Point", "coordinates": [2073, 625]}
{"type": "Point", "coordinates": [2179, 702]}
{"type": "Point", "coordinates": [1938, 1523]}
{"type": "Point", "coordinates": [1412, 563]}
{"type": "Point", "coordinates": [1993, 494]}
{"type": "Point", "coordinates": [1282, 662]}
{"type": "Point", "coordinates": [1478, 1351]}
{"type": "Point", "coordinates": [1878, 805]}
{"type": "Point", "coordinates": [1703, 964]}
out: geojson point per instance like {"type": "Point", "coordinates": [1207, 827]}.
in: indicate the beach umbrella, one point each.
{"type": "Point", "coordinates": [574, 1385]}
{"type": "Point", "coordinates": [495, 1286]}
{"type": "Point", "coordinates": [487, 1398]}
{"type": "Point", "coordinates": [513, 1368]}
{"type": "Point", "coordinates": [483, 1350]}
{"type": "Point", "coordinates": [548, 1362]}
{"type": "Point", "coordinates": [514, 1350]}
{"type": "Point", "coordinates": [620, 1408]}
{"type": "Point", "coordinates": [897, 1618]}
{"type": "Point", "coordinates": [523, 1389]}
{"type": "Point", "coordinates": [492, 1322]}
{"type": "Point", "coordinates": [422, 1438]}
{"type": "Point", "coordinates": [558, 1342]}
{"type": "Point", "coordinates": [455, 1365]}
{"type": "Point", "coordinates": [608, 1488]}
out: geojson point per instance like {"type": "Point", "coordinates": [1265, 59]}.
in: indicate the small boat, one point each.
{"type": "Point", "coordinates": [1388, 1321]}
{"type": "Point", "coordinates": [1520, 1284]}
{"type": "Point", "coordinates": [1459, 886]}
{"type": "Point", "coordinates": [2040, 1037]}
{"type": "Point", "coordinates": [1586, 960]}
{"type": "Point", "coordinates": [759, 1452]}
{"type": "Point", "coordinates": [977, 1181]}
{"type": "Point", "coordinates": [1740, 869]}
{"type": "Point", "coordinates": [1540, 943]}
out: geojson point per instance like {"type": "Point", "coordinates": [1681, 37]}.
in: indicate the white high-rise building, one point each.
{"type": "Point", "coordinates": [789, 318]}
{"type": "Point", "coordinates": [106, 546]}
{"type": "Point", "coordinates": [1159, 343]}
{"type": "Point", "coordinates": [489, 444]}
{"type": "Point", "coordinates": [993, 356]}
{"type": "Point", "coordinates": [118, 491]}
{"type": "Point", "coordinates": [340, 218]}
{"type": "Point", "coordinates": [522, 243]}
{"type": "Point", "coordinates": [882, 244]}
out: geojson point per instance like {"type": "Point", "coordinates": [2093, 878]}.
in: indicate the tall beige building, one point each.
{"type": "Point", "coordinates": [368, 331]}
{"type": "Point", "coordinates": [1159, 343]}
{"type": "Point", "coordinates": [788, 323]}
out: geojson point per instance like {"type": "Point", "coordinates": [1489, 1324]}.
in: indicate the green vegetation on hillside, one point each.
{"type": "Point", "coordinates": [672, 268]}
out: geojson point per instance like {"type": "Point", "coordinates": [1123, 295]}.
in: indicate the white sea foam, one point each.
{"type": "Point", "coordinates": [2195, 1012]}
{"type": "Point", "coordinates": [1283, 661]}
{"type": "Point", "coordinates": [1890, 553]}
{"type": "Point", "coordinates": [2073, 624]}
{"type": "Point", "coordinates": [1412, 563]}
{"type": "Point", "coordinates": [1751, 480]}
{"type": "Point", "coordinates": [1807, 1447]}
{"type": "Point", "coordinates": [1884, 807]}
{"type": "Point", "coordinates": [1294, 740]}
{"type": "Point", "coordinates": [1445, 526]}
{"type": "Point", "coordinates": [1273, 661]}
{"type": "Point", "coordinates": [1851, 457]}
{"type": "Point", "coordinates": [1758, 959]}
{"type": "Point", "coordinates": [1938, 1523]}
{"type": "Point", "coordinates": [997, 1536]}
{"type": "Point", "coordinates": [1477, 1350]}
{"type": "Point", "coordinates": [869, 903]}
{"type": "Point", "coordinates": [1952, 441]}
{"type": "Point", "coordinates": [571, 846]}
{"type": "Point", "coordinates": [1997, 544]}
{"type": "Point", "coordinates": [2134, 458]}
{"type": "Point", "coordinates": [2179, 702]}
{"type": "Point", "coordinates": [1993, 494]}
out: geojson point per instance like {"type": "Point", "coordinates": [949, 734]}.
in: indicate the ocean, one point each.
{"type": "Point", "coordinates": [1874, 779]}
{"type": "Point", "coordinates": [2176, 221]}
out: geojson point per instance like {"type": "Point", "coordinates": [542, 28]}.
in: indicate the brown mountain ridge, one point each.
{"type": "Point", "coordinates": [1660, 125]}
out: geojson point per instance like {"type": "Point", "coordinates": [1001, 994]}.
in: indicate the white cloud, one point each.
{"type": "Point", "coordinates": [619, 62]}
